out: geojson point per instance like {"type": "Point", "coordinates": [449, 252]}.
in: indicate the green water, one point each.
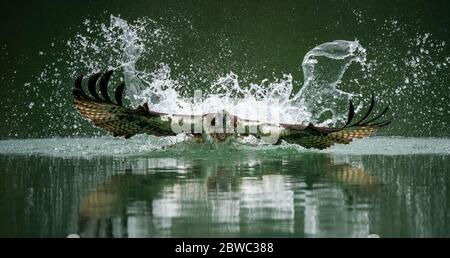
{"type": "Point", "coordinates": [56, 178]}
{"type": "Point", "coordinates": [56, 187]}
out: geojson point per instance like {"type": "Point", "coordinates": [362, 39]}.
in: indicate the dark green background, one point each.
{"type": "Point", "coordinates": [266, 39]}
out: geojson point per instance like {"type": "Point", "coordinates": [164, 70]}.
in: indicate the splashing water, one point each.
{"type": "Point", "coordinates": [412, 74]}
{"type": "Point", "coordinates": [407, 67]}
{"type": "Point", "coordinates": [270, 101]}
{"type": "Point", "coordinates": [323, 68]}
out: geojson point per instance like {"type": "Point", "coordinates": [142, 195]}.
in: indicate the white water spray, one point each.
{"type": "Point", "coordinates": [269, 101]}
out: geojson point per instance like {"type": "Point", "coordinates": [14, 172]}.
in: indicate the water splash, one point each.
{"type": "Point", "coordinates": [407, 67]}
{"type": "Point", "coordinates": [412, 74]}
{"type": "Point", "coordinates": [270, 101]}
{"type": "Point", "coordinates": [323, 68]}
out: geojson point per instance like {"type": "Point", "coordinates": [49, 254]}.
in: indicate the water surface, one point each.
{"type": "Point", "coordinates": [393, 187]}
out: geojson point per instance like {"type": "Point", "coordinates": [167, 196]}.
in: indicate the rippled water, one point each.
{"type": "Point", "coordinates": [386, 186]}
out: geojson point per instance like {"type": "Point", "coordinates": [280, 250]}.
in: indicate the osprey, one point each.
{"type": "Point", "coordinates": [222, 126]}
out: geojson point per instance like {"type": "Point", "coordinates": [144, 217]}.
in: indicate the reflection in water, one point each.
{"type": "Point", "coordinates": [237, 195]}
{"type": "Point", "coordinates": [251, 197]}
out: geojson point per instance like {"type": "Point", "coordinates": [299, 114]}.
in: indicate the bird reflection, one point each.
{"type": "Point", "coordinates": [242, 196]}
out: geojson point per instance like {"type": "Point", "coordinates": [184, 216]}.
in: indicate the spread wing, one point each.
{"type": "Point", "coordinates": [121, 121]}
{"type": "Point", "coordinates": [323, 137]}
{"type": "Point", "coordinates": [113, 116]}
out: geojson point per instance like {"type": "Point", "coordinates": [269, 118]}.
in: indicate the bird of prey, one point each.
{"type": "Point", "coordinates": [222, 126]}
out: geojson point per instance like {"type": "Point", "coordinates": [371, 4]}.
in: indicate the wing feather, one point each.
{"type": "Point", "coordinates": [114, 117]}
{"type": "Point", "coordinates": [323, 137]}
